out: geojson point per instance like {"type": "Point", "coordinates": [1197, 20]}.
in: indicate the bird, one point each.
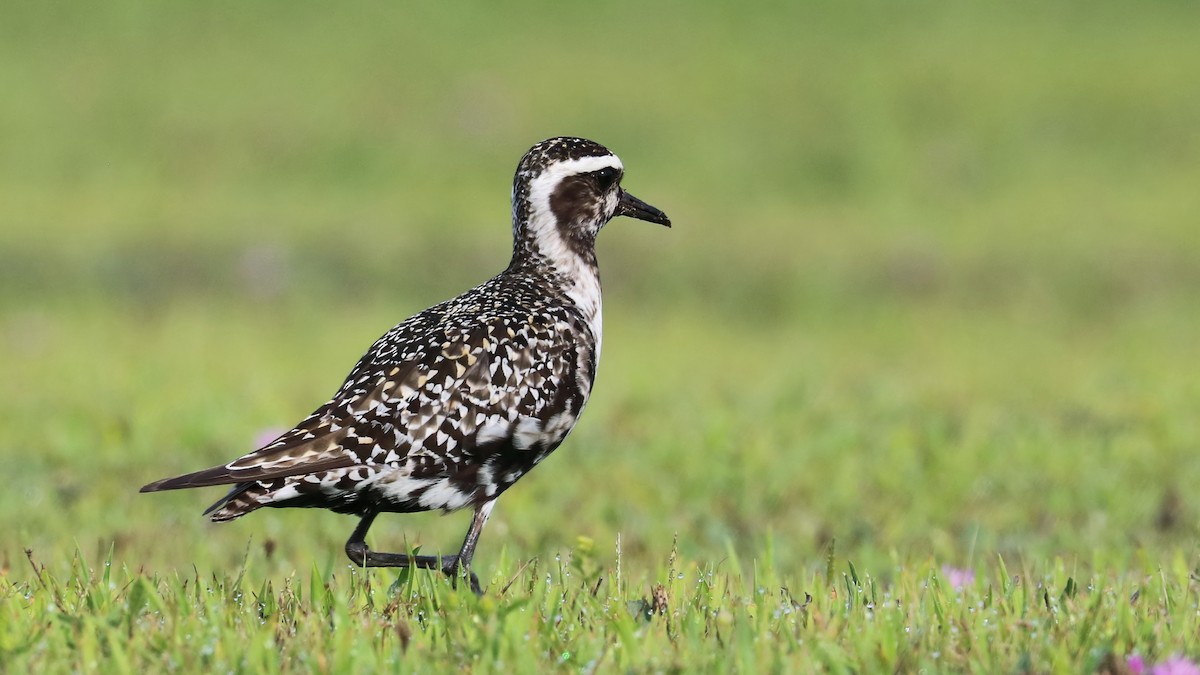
{"type": "Point", "coordinates": [452, 406]}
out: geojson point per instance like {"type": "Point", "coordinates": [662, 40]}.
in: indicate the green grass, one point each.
{"type": "Point", "coordinates": [573, 613]}
{"type": "Point", "coordinates": [931, 295]}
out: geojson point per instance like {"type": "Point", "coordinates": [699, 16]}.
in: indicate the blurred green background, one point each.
{"type": "Point", "coordinates": [933, 287]}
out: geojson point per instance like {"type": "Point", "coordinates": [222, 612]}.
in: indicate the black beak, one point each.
{"type": "Point", "coordinates": [635, 208]}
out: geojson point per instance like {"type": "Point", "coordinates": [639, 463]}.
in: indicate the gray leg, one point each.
{"type": "Point", "coordinates": [450, 565]}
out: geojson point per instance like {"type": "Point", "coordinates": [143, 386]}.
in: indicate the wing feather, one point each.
{"type": "Point", "coordinates": [390, 412]}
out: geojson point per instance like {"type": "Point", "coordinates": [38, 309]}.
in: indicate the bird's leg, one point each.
{"type": "Point", "coordinates": [362, 555]}
{"type": "Point", "coordinates": [452, 565]}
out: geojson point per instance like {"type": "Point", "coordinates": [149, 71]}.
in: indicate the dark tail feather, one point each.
{"type": "Point", "coordinates": [237, 490]}
{"type": "Point", "coordinates": [218, 475]}
{"type": "Point", "coordinates": [223, 475]}
{"type": "Point", "coordinates": [248, 497]}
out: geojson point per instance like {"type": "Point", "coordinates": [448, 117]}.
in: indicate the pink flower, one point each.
{"type": "Point", "coordinates": [958, 578]}
{"type": "Point", "coordinates": [1137, 665]}
{"type": "Point", "coordinates": [1176, 665]}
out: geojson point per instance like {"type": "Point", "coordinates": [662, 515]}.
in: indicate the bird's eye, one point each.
{"type": "Point", "coordinates": [605, 178]}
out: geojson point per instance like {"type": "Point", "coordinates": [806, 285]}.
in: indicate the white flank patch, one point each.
{"type": "Point", "coordinates": [527, 433]}
{"type": "Point", "coordinates": [398, 488]}
{"type": "Point", "coordinates": [558, 426]}
{"type": "Point", "coordinates": [284, 493]}
{"type": "Point", "coordinates": [443, 495]}
{"type": "Point", "coordinates": [486, 480]}
{"type": "Point", "coordinates": [494, 429]}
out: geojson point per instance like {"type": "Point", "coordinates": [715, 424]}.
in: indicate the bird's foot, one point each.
{"type": "Point", "coordinates": [363, 556]}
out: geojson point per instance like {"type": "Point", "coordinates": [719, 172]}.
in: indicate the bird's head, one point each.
{"type": "Point", "coordinates": [564, 191]}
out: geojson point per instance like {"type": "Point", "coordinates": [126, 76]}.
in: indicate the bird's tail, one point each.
{"type": "Point", "coordinates": [242, 499]}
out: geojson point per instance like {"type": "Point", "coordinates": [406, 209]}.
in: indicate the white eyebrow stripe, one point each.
{"type": "Point", "coordinates": [570, 167]}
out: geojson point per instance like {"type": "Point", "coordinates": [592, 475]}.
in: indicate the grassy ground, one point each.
{"type": "Point", "coordinates": [911, 384]}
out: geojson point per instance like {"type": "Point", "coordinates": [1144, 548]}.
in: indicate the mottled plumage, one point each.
{"type": "Point", "coordinates": [452, 406]}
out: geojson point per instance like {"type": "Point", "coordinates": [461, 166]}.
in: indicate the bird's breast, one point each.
{"type": "Point", "coordinates": [585, 293]}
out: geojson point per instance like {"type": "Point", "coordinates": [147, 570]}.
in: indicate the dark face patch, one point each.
{"type": "Point", "coordinates": [575, 200]}
{"type": "Point", "coordinates": [577, 204]}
